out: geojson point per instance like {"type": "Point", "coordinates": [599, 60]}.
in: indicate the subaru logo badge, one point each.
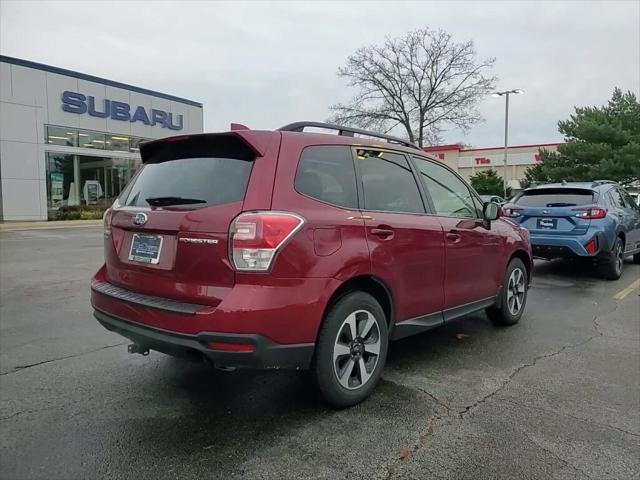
{"type": "Point", "coordinates": [544, 212]}
{"type": "Point", "coordinates": [139, 218]}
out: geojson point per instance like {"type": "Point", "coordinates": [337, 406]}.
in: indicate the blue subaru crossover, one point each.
{"type": "Point", "coordinates": [597, 220]}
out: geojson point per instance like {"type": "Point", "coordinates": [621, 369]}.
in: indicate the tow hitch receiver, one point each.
{"type": "Point", "coordinates": [135, 348]}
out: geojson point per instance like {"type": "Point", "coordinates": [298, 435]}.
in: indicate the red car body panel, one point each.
{"type": "Point", "coordinates": [286, 311]}
{"type": "Point", "coordinates": [410, 260]}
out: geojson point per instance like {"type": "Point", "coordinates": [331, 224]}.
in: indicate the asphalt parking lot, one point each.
{"type": "Point", "coordinates": [557, 396]}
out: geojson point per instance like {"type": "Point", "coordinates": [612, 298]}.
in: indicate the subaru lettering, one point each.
{"type": "Point", "coordinates": [79, 103]}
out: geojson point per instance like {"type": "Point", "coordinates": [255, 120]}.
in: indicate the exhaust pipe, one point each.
{"type": "Point", "coordinates": [135, 348]}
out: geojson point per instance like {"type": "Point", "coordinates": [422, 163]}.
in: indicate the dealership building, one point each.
{"type": "Point", "coordinates": [67, 138]}
{"type": "Point", "coordinates": [469, 161]}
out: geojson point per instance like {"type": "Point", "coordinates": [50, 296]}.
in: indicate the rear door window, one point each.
{"type": "Point", "coordinates": [326, 172]}
{"type": "Point", "coordinates": [189, 182]}
{"type": "Point", "coordinates": [555, 197]}
{"type": "Point", "coordinates": [388, 182]}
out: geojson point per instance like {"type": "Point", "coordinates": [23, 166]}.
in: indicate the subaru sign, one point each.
{"type": "Point", "coordinates": [73, 102]}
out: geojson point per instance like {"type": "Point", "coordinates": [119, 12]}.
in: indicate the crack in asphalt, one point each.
{"type": "Point", "coordinates": [20, 368]}
{"type": "Point", "coordinates": [599, 333]}
{"type": "Point", "coordinates": [518, 369]}
{"type": "Point", "coordinates": [432, 423]}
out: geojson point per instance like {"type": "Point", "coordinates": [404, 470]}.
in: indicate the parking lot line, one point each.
{"type": "Point", "coordinates": [623, 293]}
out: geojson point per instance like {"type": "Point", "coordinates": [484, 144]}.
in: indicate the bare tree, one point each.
{"type": "Point", "coordinates": [422, 82]}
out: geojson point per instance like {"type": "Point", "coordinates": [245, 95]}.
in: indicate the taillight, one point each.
{"type": "Point", "coordinates": [510, 212]}
{"type": "Point", "coordinates": [106, 220]}
{"type": "Point", "coordinates": [256, 237]}
{"type": "Point", "coordinates": [590, 213]}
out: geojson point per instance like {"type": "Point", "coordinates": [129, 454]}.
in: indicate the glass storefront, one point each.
{"type": "Point", "coordinates": [59, 179]}
{"type": "Point", "coordinates": [73, 137]}
{"type": "Point", "coordinates": [85, 179]}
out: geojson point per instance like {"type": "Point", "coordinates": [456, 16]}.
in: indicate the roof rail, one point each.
{"type": "Point", "coordinates": [601, 182]}
{"type": "Point", "coordinates": [346, 131]}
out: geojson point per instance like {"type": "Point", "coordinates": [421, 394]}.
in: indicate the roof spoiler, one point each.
{"type": "Point", "coordinates": [242, 144]}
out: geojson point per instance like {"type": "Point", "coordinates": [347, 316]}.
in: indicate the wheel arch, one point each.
{"type": "Point", "coordinates": [528, 265]}
{"type": "Point", "coordinates": [526, 259]}
{"type": "Point", "coordinates": [374, 286]}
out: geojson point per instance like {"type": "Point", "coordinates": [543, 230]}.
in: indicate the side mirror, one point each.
{"type": "Point", "coordinates": [491, 211]}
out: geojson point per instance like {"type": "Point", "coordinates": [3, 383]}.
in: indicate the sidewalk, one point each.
{"type": "Point", "coordinates": [48, 225]}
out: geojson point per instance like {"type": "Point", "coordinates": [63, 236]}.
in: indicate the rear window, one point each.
{"type": "Point", "coordinates": [555, 197]}
{"type": "Point", "coordinates": [189, 183]}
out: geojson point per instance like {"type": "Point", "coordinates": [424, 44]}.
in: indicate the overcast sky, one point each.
{"type": "Point", "coordinates": [266, 64]}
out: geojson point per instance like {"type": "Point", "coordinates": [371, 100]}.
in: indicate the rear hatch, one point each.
{"type": "Point", "coordinates": [552, 211]}
{"type": "Point", "coordinates": [169, 228]}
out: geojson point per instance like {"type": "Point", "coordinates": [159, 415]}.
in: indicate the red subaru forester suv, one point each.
{"type": "Point", "coordinates": [292, 249]}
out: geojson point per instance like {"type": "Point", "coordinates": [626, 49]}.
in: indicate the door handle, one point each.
{"type": "Point", "coordinates": [383, 233]}
{"type": "Point", "coordinates": [453, 236]}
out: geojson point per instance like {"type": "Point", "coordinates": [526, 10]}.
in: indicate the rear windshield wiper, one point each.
{"type": "Point", "coordinates": [561, 204]}
{"type": "Point", "coordinates": [164, 201]}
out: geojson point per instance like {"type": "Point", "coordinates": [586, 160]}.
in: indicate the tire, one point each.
{"type": "Point", "coordinates": [613, 261]}
{"type": "Point", "coordinates": [339, 356]}
{"type": "Point", "coordinates": [513, 295]}
{"type": "Point", "coordinates": [636, 258]}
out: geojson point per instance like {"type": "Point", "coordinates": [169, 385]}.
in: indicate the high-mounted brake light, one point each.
{"type": "Point", "coordinates": [256, 237]}
{"type": "Point", "coordinates": [510, 212]}
{"type": "Point", "coordinates": [590, 213]}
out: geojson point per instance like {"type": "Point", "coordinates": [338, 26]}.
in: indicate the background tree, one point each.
{"type": "Point", "coordinates": [421, 83]}
{"type": "Point", "coordinates": [602, 143]}
{"type": "Point", "coordinates": [489, 183]}
{"type": "Point", "coordinates": [534, 174]}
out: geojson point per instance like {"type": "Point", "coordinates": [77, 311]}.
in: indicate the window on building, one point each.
{"type": "Point", "coordinates": [98, 179]}
{"type": "Point", "coordinates": [119, 143]}
{"type": "Point", "coordinates": [134, 145]}
{"type": "Point", "coordinates": [388, 182]}
{"type": "Point", "coordinates": [326, 172]}
{"type": "Point", "coordinates": [67, 137]}
{"type": "Point", "coordinates": [73, 137]}
{"type": "Point", "coordinates": [82, 179]}
{"type": "Point", "coordinates": [450, 195]}
{"type": "Point", "coordinates": [89, 139]}
{"type": "Point", "coordinates": [59, 179]}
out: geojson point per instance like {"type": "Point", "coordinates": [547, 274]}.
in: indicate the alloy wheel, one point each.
{"type": "Point", "coordinates": [515, 291]}
{"type": "Point", "coordinates": [356, 349]}
{"type": "Point", "coordinates": [619, 257]}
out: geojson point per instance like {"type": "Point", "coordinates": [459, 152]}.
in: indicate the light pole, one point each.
{"type": "Point", "coordinates": [506, 94]}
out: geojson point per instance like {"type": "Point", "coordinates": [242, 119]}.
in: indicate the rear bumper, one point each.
{"type": "Point", "coordinates": [265, 353]}
{"type": "Point", "coordinates": [556, 246]}
{"type": "Point", "coordinates": [284, 311]}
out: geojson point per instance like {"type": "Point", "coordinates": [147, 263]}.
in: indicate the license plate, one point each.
{"type": "Point", "coordinates": [547, 223]}
{"type": "Point", "coordinates": [145, 248]}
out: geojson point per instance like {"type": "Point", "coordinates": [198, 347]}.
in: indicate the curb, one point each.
{"type": "Point", "coordinates": [25, 226]}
